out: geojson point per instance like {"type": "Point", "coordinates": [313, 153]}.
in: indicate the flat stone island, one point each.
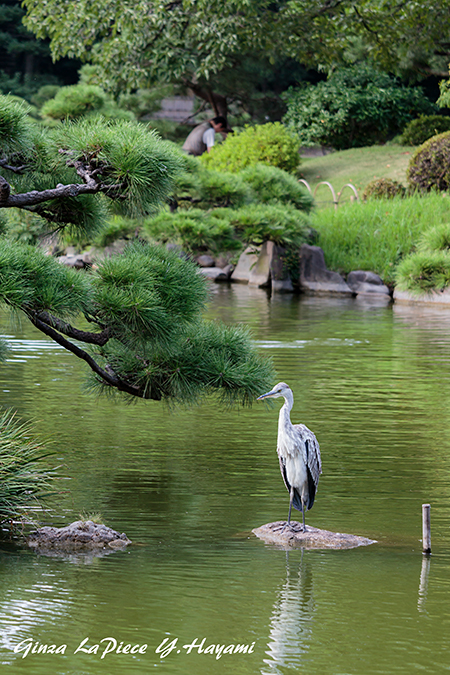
{"type": "Point", "coordinates": [312, 538]}
{"type": "Point", "coordinates": [82, 534]}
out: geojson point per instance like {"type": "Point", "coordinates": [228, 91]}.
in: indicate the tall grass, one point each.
{"type": "Point", "coordinates": [23, 478]}
{"type": "Point", "coordinates": [376, 235]}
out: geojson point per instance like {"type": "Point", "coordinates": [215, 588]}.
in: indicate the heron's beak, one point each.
{"type": "Point", "coordinates": [269, 393]}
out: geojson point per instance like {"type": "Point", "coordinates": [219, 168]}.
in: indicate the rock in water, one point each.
{"type": "Point", "coordinates": [312, 538]}
{"type": "Point", "coordinates": [82, 534]}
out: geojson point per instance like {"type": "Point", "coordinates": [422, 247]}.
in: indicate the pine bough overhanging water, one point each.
{"type": "Point", "coordinates": [141, 332]}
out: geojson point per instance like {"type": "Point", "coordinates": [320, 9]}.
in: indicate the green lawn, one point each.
{"type": "Point", "coordinates": [357, 166]}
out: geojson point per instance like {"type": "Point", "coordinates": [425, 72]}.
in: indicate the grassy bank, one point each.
{"type": "Point", "coordinates": [377, 234]}
{"type": "Point", "coordinates": [357, 166]}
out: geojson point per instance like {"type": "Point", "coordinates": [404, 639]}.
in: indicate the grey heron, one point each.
{"type": "Point", "coordinates": [299, 455]}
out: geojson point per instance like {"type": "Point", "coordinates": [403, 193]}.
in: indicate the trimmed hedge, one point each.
{"type": "Point", "coordinates": [383, 188]}
{"type": "Point", "coordinates": [429, 167]}
{"type": "Point", "coordinates": [269, 143]}
{"type": "Point", "coordinates": [424, 127]}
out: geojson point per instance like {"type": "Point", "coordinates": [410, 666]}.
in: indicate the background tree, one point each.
{"type": "Point", "coordinates": [356, 106]}
{"type": "Point", "coordinates": [25, 61]}
{"type": "Point", "coordinates": [141, 329]}
{"type": "Point", "coordinates": [199, 43]}
{"type": "Point", "coordinates": [195, 43]}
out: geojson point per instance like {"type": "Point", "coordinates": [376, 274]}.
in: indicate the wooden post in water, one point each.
{"type": "Point", "coordinates": [426, 529]}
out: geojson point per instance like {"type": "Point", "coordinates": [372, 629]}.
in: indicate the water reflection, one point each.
{"type": "Point", "coordinates": [291, 622]}
{"type": "Point", "coordinates": [423, 585]}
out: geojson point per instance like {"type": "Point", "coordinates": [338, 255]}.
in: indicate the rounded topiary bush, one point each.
{"type": "Point", "coordinates": [424, 127]}
{"type": "Point", "coordinates": [429, 167]}
{"type": "Point", "coordinates": [383, 188]}
{"type": "Point", "coordinates": [78, 100]}
{"type": "Point", "coordinates": [269, 143]}
{"type": "Point", "coordinates": [424, 271]}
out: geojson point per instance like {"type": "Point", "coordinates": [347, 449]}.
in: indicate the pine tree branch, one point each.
{"type": "Point", "coordinates": [59, 192]}
{"type": "Point", "coordinates": [107, 375]}
{"type": "Point", "coordinates": [15, 169]}
{"type": "Point", "coordinates": [91, 185]}
{"type": "Point", "coordinates": [99, 339]}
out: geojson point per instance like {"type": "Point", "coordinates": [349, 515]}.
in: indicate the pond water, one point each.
{"type": "Point", "coordinates": [188, 486]}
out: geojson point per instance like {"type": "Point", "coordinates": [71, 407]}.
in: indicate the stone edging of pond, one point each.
{"type": "Point", "coordinates": [312, 538]}
{"type": "Point", "coordinates": [433, 297]}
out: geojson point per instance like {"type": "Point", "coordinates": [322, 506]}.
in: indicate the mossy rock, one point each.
{"type": "Point", "coordinates": [429, 167]}
{"type": "Point", "coordinates": [383, 188]}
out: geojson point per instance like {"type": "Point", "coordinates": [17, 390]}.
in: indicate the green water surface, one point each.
{"type": "Point", "coordinates": [187, 486]}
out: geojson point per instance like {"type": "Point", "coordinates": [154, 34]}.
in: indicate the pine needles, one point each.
{"type": "Point", "coordinates": [23, 481]}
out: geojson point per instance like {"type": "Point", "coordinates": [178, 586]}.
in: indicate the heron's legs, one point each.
{"type": "Point", "coordinates": [303, 514]}
{"type": "Point", "coordinates": [288, 523]}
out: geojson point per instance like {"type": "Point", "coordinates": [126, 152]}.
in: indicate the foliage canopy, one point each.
{"type": "Point", "coordinates": [356, 106]}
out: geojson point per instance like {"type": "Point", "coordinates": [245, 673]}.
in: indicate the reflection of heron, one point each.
{"type": "Point", "coordinates": [291, 623]}
{"type": "Point", "coordinates": [299, 455]}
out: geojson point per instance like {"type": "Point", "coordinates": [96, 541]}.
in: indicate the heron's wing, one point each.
{"type": "Point", "coordinates": [297, 499]}
{"type": "Point", "coordinates": [311, 452]}
{"type": "Point", "coordinates": [283, 472]}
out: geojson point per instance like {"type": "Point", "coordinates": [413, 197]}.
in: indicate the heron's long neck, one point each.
{"type": "Point", "coordinates": [285, 417]}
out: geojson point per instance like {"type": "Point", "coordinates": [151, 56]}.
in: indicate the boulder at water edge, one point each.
{"type": "Point", "coordinates": [316, 278]}
{"type": "Point", "coordinates": [366, 283]}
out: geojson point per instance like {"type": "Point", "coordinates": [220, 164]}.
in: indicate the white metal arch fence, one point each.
{"type": "Point", "coordinates": [336, 196]}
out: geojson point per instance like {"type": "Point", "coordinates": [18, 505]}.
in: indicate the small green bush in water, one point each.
{"type": "Point", "coordinates": [423, 272]}
{"type": "Point", "coordinates": [424, 127]}
{"type": "Point", "coordinates": [269, 143]}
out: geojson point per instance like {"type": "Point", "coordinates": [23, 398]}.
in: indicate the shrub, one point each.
{"type": "Point", "coordinates": [271, 184]}
{"type": "Point", "coordinates": [257, 223]}
{"type": "Point", "coordinates": [268, 143]}
{"type": "Point", "coordinates": [193, 230]}
{"type": "Point", "coordinates": [79, 100]}
{"type": "Point", "coordinates": [429, 167]}
{"type": "Point", "coordinates": [383, 188]}
{"type": "Point", "coordinates": [116, 228]}
{"type": "Point", "coordinates": [356, 106]}
{"type": "Point", "coordinates": [28, 228]}
{"type": "Point", "coordinates": [206, 189]}
{"type": "Point", "coordinates": [424, 127]}
{"type": "Point", "coordinates": [424, 272]}
{"type": "Point", "coordinates": [220, 188]}
{"type": "Point", "coordinates": [229, 229]}
{"type": "Point", "coordinates": [435, 239]}
{"type": "Point", "coordinates": [44, 94]}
